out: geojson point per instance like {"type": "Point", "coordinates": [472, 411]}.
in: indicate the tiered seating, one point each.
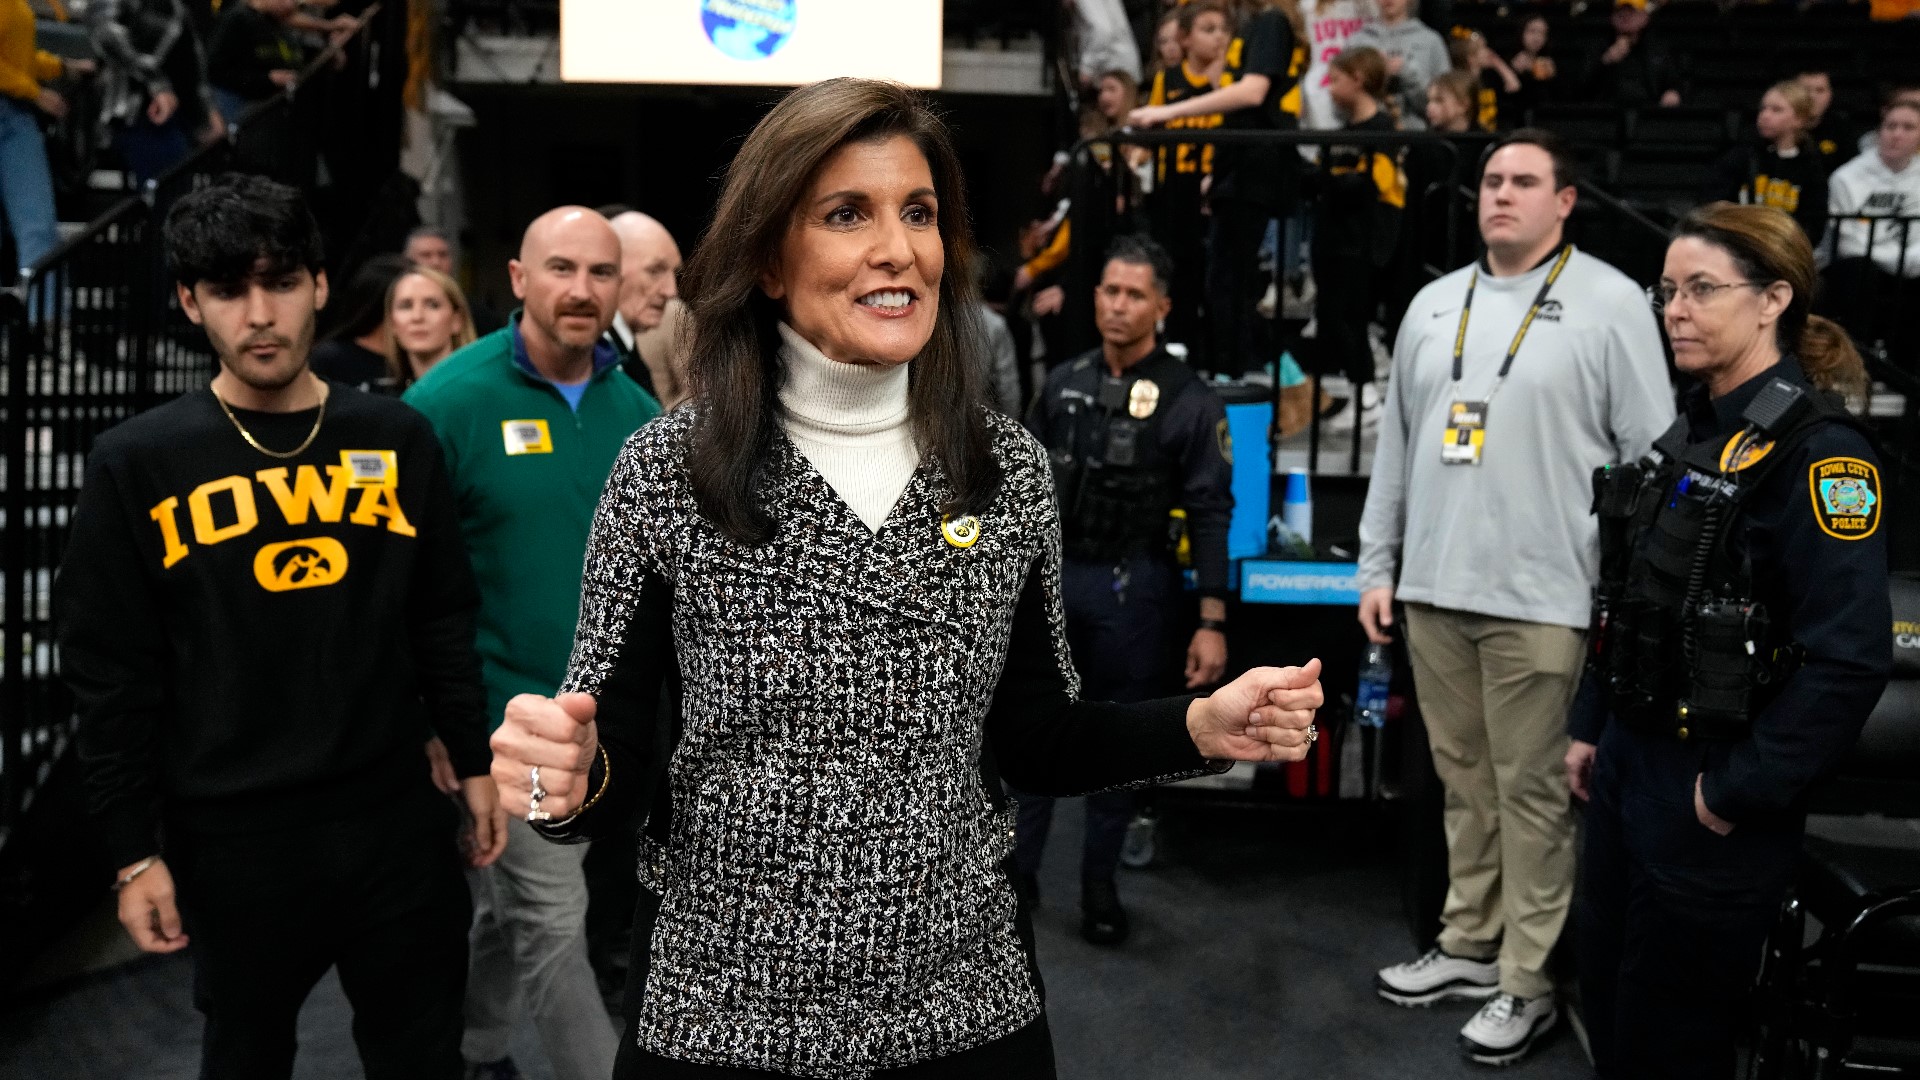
{"type": "Point", "coordinates": [1657, 158]}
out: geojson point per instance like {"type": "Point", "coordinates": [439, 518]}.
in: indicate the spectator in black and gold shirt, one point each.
{"type": "Point", "coordinates": [1832, 131]}
{"type": "Point", "coordinates": [1782, 168]}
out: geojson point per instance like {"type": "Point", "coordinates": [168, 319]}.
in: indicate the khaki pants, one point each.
{"type": "Point", "coordinates": [1495, 694]}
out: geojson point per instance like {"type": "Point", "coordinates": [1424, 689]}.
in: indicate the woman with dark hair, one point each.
{"type": "Point", "coordinates": [852, 567]}
{"type": "Point", "coordinates": [354, 350]}
{"type": "Point", "coordinates": [1743, 613]}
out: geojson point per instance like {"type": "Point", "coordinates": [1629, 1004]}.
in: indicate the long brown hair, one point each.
{"type": "Point", "coordinates": [1768, 246]}
{"type": "Point", "coordinates": [734, 360]}
{"type": "Point", "coordinates": [399, 367]}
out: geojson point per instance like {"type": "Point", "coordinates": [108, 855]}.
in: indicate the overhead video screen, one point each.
{"type": "Point", "coordinates": [749, 42]}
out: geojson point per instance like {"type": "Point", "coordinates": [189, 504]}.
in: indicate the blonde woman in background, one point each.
{"type": "Point", "coordinates": [1781, 168]}
{"type": "Point", "coordinates": [427, 319]}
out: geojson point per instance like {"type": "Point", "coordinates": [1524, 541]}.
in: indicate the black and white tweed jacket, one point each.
{"type": "Point", "coordinates": [831, 894]}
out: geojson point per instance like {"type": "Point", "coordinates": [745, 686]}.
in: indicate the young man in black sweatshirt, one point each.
{"type": "Point", "coordinates": [264, 611]}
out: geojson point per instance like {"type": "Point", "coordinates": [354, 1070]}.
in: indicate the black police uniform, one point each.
{"type": "Point", "coordinates": [1761, 690]}
{"type": "Point", "coordinates": [1126, 454]}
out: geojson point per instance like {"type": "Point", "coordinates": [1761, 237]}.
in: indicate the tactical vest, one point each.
{"type": "Point", "coordinates": [1680, 643]}
{"type": "Point", "coordinates": [1117, 487]}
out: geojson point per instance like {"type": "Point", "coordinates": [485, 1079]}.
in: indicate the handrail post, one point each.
{"type": "Point", "coordinates": [13, 562]}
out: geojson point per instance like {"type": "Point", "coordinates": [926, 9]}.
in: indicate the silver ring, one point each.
{"type": "Point", "coordinates": [1313, 733]}
{"type": "Point", "coordinates": [534, 813]}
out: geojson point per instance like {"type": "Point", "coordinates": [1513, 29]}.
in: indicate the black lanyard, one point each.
{"type": "Point", "coordinates": [1466, 309]}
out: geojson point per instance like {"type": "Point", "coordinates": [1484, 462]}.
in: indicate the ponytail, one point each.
{"type": "Point", "coordinates": [1829, 359]}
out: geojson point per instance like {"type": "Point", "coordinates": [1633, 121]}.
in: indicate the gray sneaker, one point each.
{"type": "Point", "coordinates": [1438, 976]}
{"type": "Point", "coordinates": [1506, 1027]}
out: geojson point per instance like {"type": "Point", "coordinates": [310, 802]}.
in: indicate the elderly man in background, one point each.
{"type": "Point", "coordinates": [646, 328]}
{"type": "Point", "coordinates": [532, 417]}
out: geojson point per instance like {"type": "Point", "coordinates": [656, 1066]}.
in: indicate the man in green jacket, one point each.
{"type": "Point", "coordinates": [531, 418]}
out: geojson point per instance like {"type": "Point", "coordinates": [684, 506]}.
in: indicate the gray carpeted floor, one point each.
{"type": "Point", "coordinates": [1256, 935]}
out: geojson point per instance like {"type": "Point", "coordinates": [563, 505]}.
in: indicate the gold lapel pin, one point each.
{"type": "Point", "coordinates": [960, 532]}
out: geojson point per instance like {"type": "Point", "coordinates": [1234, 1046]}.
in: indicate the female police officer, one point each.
{"type": "Point", "coordinates": [1741, 640]}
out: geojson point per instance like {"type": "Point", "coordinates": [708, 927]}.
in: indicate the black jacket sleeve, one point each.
{"type": "Point", "coordinates": [623, 654]}
{"type": "Point", "coordinates": [1045, 741]}
{"type": "Point", "coordinates": [1729, 176]}
{"type": "Point", "coordinates": [233, 55]}
{"type": "Point", "coordinates": [1206, 483]}
{"type": "Point", "coordinates": [441, 618]}
{"type": "Point", "coordinates": [113, 654]}
{"type": "Point", "coordinates": [1832, 596]}
{"type": "Point", "coordinates": [638, 740]}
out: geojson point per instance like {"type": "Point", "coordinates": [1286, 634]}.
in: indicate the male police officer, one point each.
{"type": "Point", "coordinates": [1135, 437]}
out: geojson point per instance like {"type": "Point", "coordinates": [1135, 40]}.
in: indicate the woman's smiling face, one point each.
{"type": "Point", "coordinates": [859, 269]}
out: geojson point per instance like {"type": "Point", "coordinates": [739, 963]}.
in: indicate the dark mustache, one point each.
{"type": "Point", "coordinates": [589, 310]}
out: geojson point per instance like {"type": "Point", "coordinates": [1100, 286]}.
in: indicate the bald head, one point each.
{"type": "Point", "coordinates": [649, 269]}
{"type": "Point", "coordinates": [568, 276]}
{"type": "Point", "coordinates": [567, 225]}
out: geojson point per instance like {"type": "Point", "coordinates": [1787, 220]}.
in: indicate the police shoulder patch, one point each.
{"type": "Point", "coordinates": [1846, 497]}
{"type": "Point", "coordinates": [1225, 438]}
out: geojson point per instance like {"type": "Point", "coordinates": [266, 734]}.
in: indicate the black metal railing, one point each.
{"type": "Point", "coordinates": [1107, 201]}
{"type": "Point", "coordinates": [91, 335]}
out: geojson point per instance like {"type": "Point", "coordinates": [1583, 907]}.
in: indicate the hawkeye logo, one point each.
{"type": "Point", "coordinates": [300, 564]}
{"type": "Point", "coordinates": [228, 508]}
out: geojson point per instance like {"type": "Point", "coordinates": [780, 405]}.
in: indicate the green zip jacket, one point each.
{"type": "Point", "coordinates": [527, 471]}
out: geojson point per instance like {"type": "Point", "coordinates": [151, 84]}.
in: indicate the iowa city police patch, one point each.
{"type": "Point", "coordinates": [1846, 497]}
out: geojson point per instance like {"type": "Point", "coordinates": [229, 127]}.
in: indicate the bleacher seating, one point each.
{"type": "Point", "coordinates": [1729, 57]}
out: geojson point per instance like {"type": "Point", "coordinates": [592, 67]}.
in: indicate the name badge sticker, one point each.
{"type": "Point", "coordinates": [1466, 434]}
{"type": "Point", "coordinates": [526, 437]}
{"type": "Point", "coordinates": [371, 468]}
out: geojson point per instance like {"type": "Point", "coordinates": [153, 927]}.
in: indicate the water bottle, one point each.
{"type": "Point", "coordinates": [1296, 506]}
{"type": "Point", "coordinates": [1376, 678]}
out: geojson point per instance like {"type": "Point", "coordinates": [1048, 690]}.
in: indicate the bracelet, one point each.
{"type": "Point", "coordinates": [1218, 626]}
{"type": "Point", "coordinates": [139, 868]}
{"type": "Point", "coordinates": [606, 774]}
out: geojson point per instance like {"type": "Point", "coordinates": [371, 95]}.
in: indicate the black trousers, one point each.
{"type": "Point", "coordinates": [1346, 296]}
{"type": "Point", "coordinates": [1180, 225]}
{"type": "Point", "coordinates": [1235, 283]}
{"type": "Point", "coordinates": [379, 895]}
{"type": "Point", "coordinates": [1671, 916]}
{"type": "Point", "coordinates": [1119, 627]}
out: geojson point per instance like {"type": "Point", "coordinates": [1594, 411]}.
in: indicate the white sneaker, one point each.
{"type": "Point", "coordinates": [1438, 976]}
{"type": "Point", "coordinates": [1269, 304]}
{"type": "Point", "coordinates": [1363, 408]}
{"type": "Point", "coordinates": [1506, 1027]}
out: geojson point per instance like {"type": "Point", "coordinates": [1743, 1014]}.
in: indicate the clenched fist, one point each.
{"type": "Point", "coordinates": [559, 736]}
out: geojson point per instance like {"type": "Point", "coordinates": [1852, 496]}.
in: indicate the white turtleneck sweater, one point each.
{"type": "Point", "coordinates": [850, 421]}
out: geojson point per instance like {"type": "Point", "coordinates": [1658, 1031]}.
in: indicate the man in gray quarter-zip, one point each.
{"type": "Point", "coordinates": [1513, 379]}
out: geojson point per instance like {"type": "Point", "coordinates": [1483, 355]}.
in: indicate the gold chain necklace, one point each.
{"type": "Point", "coordinates": [255, 443]}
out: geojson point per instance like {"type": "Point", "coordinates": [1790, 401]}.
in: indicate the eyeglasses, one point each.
{"type": "Point", "coordinates": [1661, 296]}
